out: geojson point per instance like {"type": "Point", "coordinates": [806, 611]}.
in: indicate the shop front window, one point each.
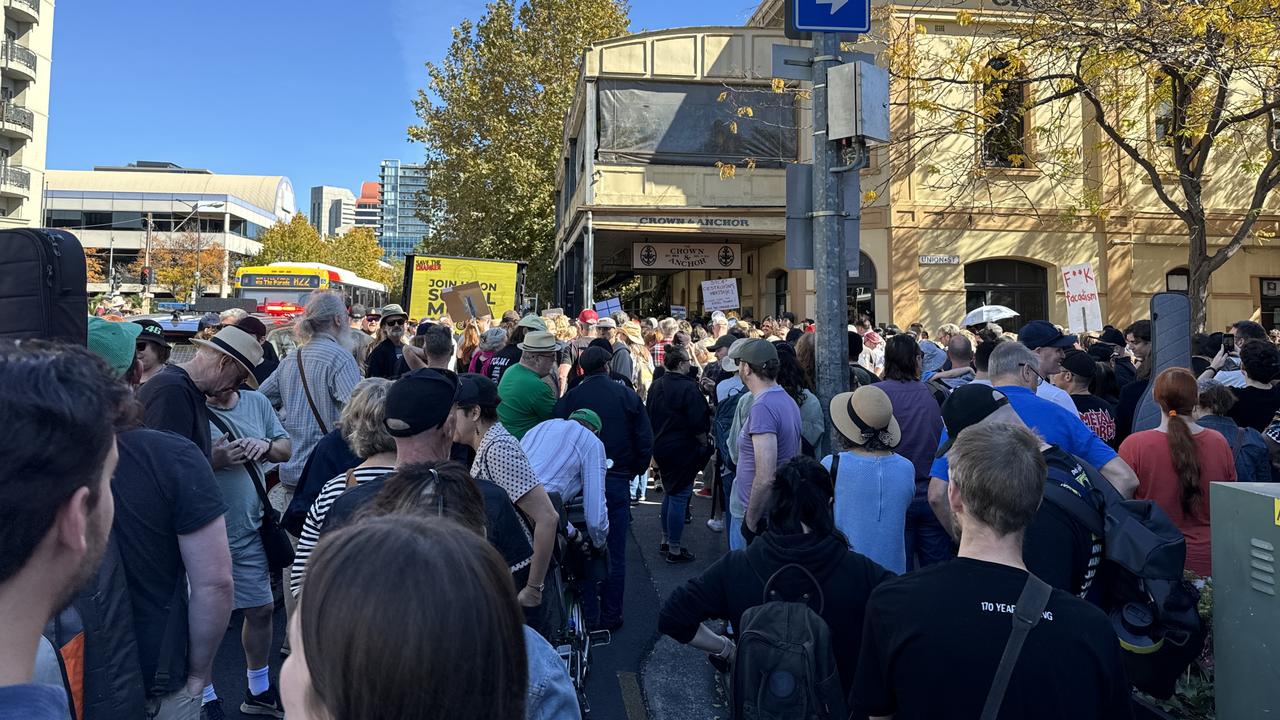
{"type": "Point", "coordinates": [1270, 302]}
{"type": "Point", "coordinates": [861, 290]}
{"type": "Point", "coordinates": [776, 291]}
{"type": "Point", "coordinates": [1017, 285]}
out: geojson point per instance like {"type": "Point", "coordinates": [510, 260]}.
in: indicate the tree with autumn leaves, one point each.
{"type": "Point", "coordinates": [492, 123]}
{"type": "Point", "coordinates": [299, 241]}
{"type": "Point", "coordinates": [1123, 104]}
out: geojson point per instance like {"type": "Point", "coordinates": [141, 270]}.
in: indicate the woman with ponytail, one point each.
{"type": "Point", "coordinates": [801, 531]}
{"type": "Point", "coordinates": [1176, 462]}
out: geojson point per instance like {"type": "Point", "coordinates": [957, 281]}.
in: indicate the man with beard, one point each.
{"type": "Point", "coordinates": [56, 505]}
{"type": "Point", "coordinates": [385, 355]}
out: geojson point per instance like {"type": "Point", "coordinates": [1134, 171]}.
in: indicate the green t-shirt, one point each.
{"type": "Point", "coordinates": [526, 400]}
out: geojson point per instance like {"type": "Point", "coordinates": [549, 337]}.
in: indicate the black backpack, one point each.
{"type": "Point", "coordinates": [1140, 584]}
{"type": "Point", "coordinates": [42, 286]}
{"type": "Point", "coordinates": [785, 668]}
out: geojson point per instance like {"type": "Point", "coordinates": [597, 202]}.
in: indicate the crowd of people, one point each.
{"type": "Point", "coordinates": [414, 529]}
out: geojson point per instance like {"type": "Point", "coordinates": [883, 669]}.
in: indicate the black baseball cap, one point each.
{"type": "Point", "coordinates": [723, 343]}
{"type": "Point", "coordinates": [1080, 363]}
{"type": "Point", "coordinates": [1042, 333]}
{"type": "Point", "coordinates": [476, 389]}
{"type": "Point", "coordinates": [152, 331]}
{"type": "Point", "coordinates": [968, 405]}
{"type": "Point", "coordinates": [420, 401]}
{"type": "Point", "coordinates": [1104, 351]}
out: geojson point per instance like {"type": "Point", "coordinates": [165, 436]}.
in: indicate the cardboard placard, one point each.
{"type": "Point", "coordinates": [720, 294]}
{"type": "Point", "coordinates": [466, 301]}
{"type": "Point", "coordinates": [1084, 312]}
{"type": "Point", "coordinates": [552, 312]}
{"type": "Point", "coordinates": [679, 312]}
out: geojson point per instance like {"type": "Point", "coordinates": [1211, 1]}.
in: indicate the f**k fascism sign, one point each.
{"type": "Point", "coordinates": [1084, 312]}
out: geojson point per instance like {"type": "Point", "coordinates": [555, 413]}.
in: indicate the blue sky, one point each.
{"type": "Point", "coordinates": [318, 90]}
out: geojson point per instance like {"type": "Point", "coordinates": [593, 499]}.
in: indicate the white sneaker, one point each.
{"type": "Point", "coordinates": [715, 525]}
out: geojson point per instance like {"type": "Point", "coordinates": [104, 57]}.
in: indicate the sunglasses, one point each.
{"type": "Point", "coordinates": [394, 322]}
{"type": "Point", "coordinates": [141, 346]}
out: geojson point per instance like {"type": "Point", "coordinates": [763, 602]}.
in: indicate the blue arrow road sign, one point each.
{"type": "Point", "coordinates": [839, 16]}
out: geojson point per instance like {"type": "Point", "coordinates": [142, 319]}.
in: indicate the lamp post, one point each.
{"type": "Point", "coordinates": [196, 290]}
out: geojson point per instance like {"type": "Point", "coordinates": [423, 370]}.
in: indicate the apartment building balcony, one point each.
{"type": "Point", "coordinates": [16, 121]}
{"type": "Point", "coordinates": [18, 60]}
{"type": "Point", "coordinates": [27, 11]}
{"type": "Point", "coordinates": [15, 182]}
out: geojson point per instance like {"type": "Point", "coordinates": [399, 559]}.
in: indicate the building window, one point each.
{"type": "Point", "coordinates": [1003, 108]}
{"type": "Point", "coordinates": [1270, 302]}
{"type": "Point", "coordinates": [1162, 111]}
{"type": "Point", "coordinates": [1018, 285]}
{"type": "Point", "coordinates": [1178, 280]}
{"type": "Point", "coordinates": [776, 290]}
{"type": "Point", "coordinates": [861, 290]}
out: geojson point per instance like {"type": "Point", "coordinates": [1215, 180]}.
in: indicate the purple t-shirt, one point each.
{"type": "Point", "coordinates": [772, 411]}
{"type": "Point", "coordinates": [920, 418]}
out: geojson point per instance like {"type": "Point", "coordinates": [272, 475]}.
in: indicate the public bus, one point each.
{"type": "Point", "coordinates": [281, 288]}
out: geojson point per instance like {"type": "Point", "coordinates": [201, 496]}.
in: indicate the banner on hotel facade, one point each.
{"type": "Point", "coordinates": [686, 256]}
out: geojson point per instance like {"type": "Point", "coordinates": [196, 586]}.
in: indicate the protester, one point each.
{"type": "Point", "coordinates": [982, 359]}
{"type": "Point", "coordinates": [1248, 447]}
{"type": "Point", "coordinates": [406, 618]}
{"type": "Point", "coordinates": [249, 433]}
{"type": "Point", "coordinates": [793, 379]}
{"type": "Point", "coordinates": [872, 355]}
{"type": "Point", "coordinates": [527, 399]}
{"type": "Point", "coordinates": [1049, 346]}
{"type": "Point", "coordinates": [667, 328]}
{"type": "Point", "coordinates": [920, 419]}
{"type": "Point", "coordinates": [511, 354]}
{"type": "Point", "coordinates": [501, 460]}
{"type": "Point", "coordinates": [1176, 463]}
{"type": "Point", "coordinates": [312, 384]}
{"type": "Point", "coordinates": [1133, 385]}
{"type": "Point", "coordinates": [56, 502]}
{"type": "Point", "coordinates": [153, 351]}
{"type": "Point", "coordinates": [933, 639]}
{"type": "Point", "coordinates": [874, 487]}
{"type": "Point", "coordinates": [431, 490]}
{"type": "Point", "coordinates": [641, 360]}
{"type": "Point", "coordinates": [957, 371]}
{"type": "Point", "coordinates": [365, 431]}
{"type": "Point", "coordinates": [565, 334]}
{"type": "Point", "coordinates": [172, 543]}
{"type": "Point", "coordinates": [770, 437]}
{"type": "Point", "coordinates": [1012, 369]}
{"type": "Point", "coordinates": [620, 361]}
{"type": "Point", "coordinates": [1257, 400]}
{"type": "Point", "coordinates": [360, 333]}
{"type": "Point", "coordinates": [1242, 331]}
{"type": "Point", "coordinates": [569, 459]}
{"type": "Point", "coordinates": [469, 344]}
{"type": "Point", "coordinates": [628, 442]}
{"type": "Point", "coordinates": [681, 447]}
{"type": "Point", "coordinates": [389, 343]}
{"type": "Point", "coordinates": [174, 398]}
{"type": "Point", "coordinates": [493, 340]}
{"type": "Point", "coordinates": [270, 359]}
{"type": "Point", "coordinates": [801, 532]}
{"type": "Point", "coordinates": [1077, 374]}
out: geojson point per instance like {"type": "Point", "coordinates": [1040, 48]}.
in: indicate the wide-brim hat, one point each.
{"type": "Point", "coordinates": [239, 346]}
{"type": "Point", "coordinates": [632, 331]}
{"type": "Point", "coordinates": [864, 414]}
{"type": "Point", "coordinates": [532, 322]}
{"type": "Point", "coordinates": [539, 341]}
{"type": "Point", "coordinates": [392, 310]}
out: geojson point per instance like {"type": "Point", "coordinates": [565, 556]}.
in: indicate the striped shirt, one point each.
{"type": "Point", "coordinates": [569, 459]}
{"type": "Point", "coordinates": [331, 375]}
{"type": "Point", "coordinates": [331, 491]}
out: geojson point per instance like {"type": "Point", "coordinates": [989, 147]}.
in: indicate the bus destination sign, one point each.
{"type": "Point", "coordinates": [280, 281]}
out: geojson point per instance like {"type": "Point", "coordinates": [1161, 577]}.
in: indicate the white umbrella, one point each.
{"type": "Point", "coordinates": [986, 314]}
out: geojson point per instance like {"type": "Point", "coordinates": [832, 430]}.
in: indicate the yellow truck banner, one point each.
{"type": "Point", "coordinates": [427, 277]}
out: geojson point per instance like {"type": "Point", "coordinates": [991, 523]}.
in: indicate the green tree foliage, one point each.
{"type": "Point", "coordinates": [492, 123]}
{"type": "Point", "coordinates": [298, 241]}
{"type": "Point", "coordinates": [358, 251]}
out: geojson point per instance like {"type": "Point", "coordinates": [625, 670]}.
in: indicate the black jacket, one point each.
{"type": "Point", "coordinates": [736, 582]}
{"type": "Point", "coordinates": [626, 434]}
{"type": "Point", "coordinates": [679, 415]}
{"type": "Point", "coordinates": [382, 360]}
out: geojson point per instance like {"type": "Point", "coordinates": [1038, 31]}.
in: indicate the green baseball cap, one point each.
{"type": "Point", "coordinates": [588, 418]}
{"type": "Point", "coordinates": [755, 351]}
{"type": "Point", "coordinates": [114, 342]}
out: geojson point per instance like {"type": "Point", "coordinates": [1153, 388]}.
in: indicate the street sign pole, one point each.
{"type": "Point", "coordinates": [829, 264]}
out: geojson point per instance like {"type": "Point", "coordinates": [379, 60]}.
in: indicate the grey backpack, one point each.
{"type": "Point", "coordinates": [785, 668]}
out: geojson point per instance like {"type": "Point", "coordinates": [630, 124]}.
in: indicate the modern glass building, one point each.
{"type": "Point", "coordinates": [399, 227]}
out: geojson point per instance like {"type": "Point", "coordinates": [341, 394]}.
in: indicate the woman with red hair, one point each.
{"type": "Point", "coordinates": [1176, 462]}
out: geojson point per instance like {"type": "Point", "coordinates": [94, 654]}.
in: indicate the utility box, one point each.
{"type": "Point", "coordinates": [1245, 518]}
{"type": "Point", "coordinates": [858, 102]}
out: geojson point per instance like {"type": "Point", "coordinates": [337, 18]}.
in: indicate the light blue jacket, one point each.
{"type": "Point", "coordinates": [550, 695]}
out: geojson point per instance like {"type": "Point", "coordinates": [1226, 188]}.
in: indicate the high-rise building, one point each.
{"type": "Point", "coordinates": [333, 209]}
{"type": "Point", "coordinates": [24, 109]}
{"type": "Point", "coordinates": [400, 229]}
{"type": "Point", "coordinates": [369, 206]}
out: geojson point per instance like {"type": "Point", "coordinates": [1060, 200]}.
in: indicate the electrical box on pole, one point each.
{"type": "Point", "coordinates": [858, 102]}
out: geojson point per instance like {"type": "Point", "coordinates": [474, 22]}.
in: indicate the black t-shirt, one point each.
{"type": "Point", "coordinates": [934, 637]}
{"type": "Point", "coordinates": [383, 360]}
{"type": "Point", "coordinates": [503, 359]}
{"type": "Point", "coordinates": [173, 402]}
{"type": "Point", "coordinates": [163, 488]}
{"type": "Point", "coordinates": [1099, 415]}
{"type": "Point", "coordinates": [1058, 548]}
{"type": "Point", "coordinates": [1255, 407]}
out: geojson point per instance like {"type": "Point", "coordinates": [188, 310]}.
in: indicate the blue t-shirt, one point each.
{"type": "Point", "coordinates": [872, 497]}
{"type": "Point", "coordinates": [773, 411]}
{"type": "Point", "coordinates": [33, 702]}
{"type": "Point", "coordinates": [1054, 424]}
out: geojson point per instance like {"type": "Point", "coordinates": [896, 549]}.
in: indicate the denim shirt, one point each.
{"type": "Point", "coordinates": [1253, 461]}
{"type": "Point", "coordinates": [550, 695]}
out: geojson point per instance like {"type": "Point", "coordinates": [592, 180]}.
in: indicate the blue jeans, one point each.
{"type": "Point", "coordinates": [640, 485]}
{"type": "Point", "coordinates": [672, 515]}
{"type": "Point", "coordinates": [604, 606]}
{"type": "Point", "coordinates": [734, 531]}
{"type": "Point", "coordinates": [925, 536]}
